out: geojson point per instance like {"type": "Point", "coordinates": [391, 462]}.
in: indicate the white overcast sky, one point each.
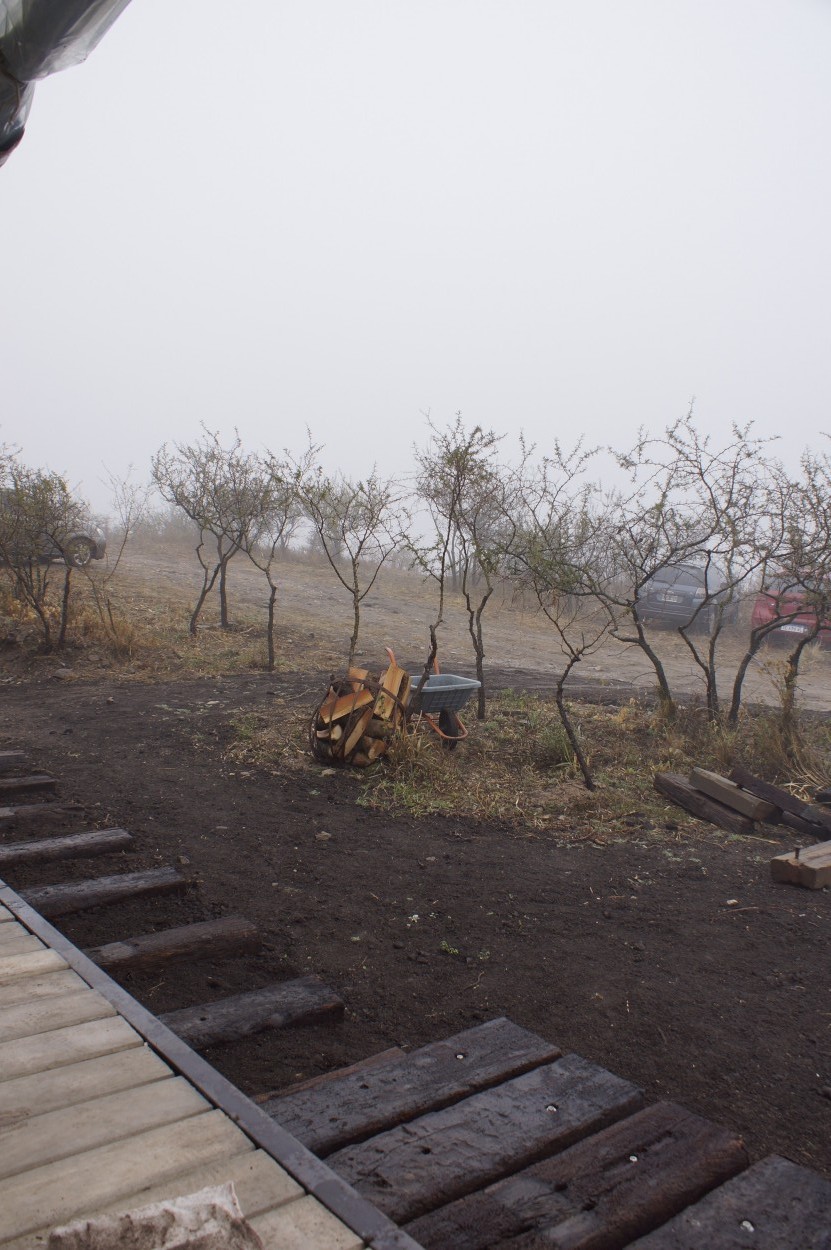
{"type": "Point", "coordinates": [565, 216]}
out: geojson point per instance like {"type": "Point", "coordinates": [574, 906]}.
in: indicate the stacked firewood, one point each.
{"type": "Point", "coordinates": [357, 719]}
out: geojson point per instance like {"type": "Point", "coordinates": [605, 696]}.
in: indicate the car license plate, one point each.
{"type": "Point", "coordinates": [794, 629]}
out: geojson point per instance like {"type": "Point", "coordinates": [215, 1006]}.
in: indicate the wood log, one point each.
{"type": "Point", "coordinates": [373, 748]}
{"type": "Point", "coordinates": [731, 795]}
{"type": "Point", "coordinates": [354, 1106]}
{"type": "Point", "coordinates": [681, 792]}
{"type": "Point", "coordinates": [338, 706]}
{"type": "Point", "coordinates": [228, 935]}
{"type": "Point", "coordinates": [391, 684]}
{"type": "Point", "coordinates": [301, 1001]}
{"type": "Point", "coordinates": [774, 1205]}
{"type": "Point", "coordinates": [356, 677]}
{"type": "Point", "coordinates": [810, 867]}
{"type": "Point", "coordinates": [11, 760]}
{"type": "Point", "coordinates": [782, 799]}
{"type": "Point", "coordinates": [378, 728]}
{"type": "Point", "coordinates": [62, 900]}
{"type": "Point", "coordinates": [326, 1078]}
{"type": "Point", "coordinates": [73, 846]}
{"type": "Point", "coordinates": [355, 734]}
{"type": "Point", "coordinates": [606, 1191]}
{"type": "Point", "coordinates": [10, 786]}
{"type": "Point", "coordinates": [360, 760]}
{"type": "Point", "coordinates": [440, 1157]}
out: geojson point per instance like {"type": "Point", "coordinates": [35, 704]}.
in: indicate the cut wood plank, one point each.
{"type": "Point", "coordinates": [64, 1046]}
{"type": "Point", "coordinates": [79, 1082]}
{"type": "Point", "coordinates": [287, 1003]}
{"type": "Point", "coordinates": [804, 827]}
{"type": "Point", "coordinates": [614, 1186]}
{"type": "Point", "coordinates": [11, 931]}
{"type": "Point", "coordinates": [352, 1106]}
{"type": "Point", "coordinates": [259, 1183]}
{"type": "Point", "coordinates": [782, 799]}
{"type": "Point", "coordinates": [774, 1205]}
{"type": "Point", "coordinates": [429, 1162]}
{"type": "Point", "coordinates": [678, 789]}
{"type": "Point", "coordinates": [11, 760]}
{"type": "Point", "coordinates": [34, 1142]}
{"type": "Point", "coordinates": [27, 815]}
{"type": "Point", "coordinates": [731, 795]}
{"type": "Point", "coordinates": [19, 967]}
{"type": "Point", "coordinates": [61, 900]}
{"type": "Point", "coordinates": [226, 936]}
{"type": "Point", "coordinates": [69, 1188]}
{"type": "Point", "coordinates": [36, 988]}
{"type": "Point", "coordinates": [5, 914]}
{"type": "Point", "coordinates": [391, 683]}
{"type": "Point", "coordinates": [44, 1015]}
{"type": "Point", "coordinates": [355, 733]}
{"type": "Point", "coordinates": [15, 940]}
{"type": "Point", "coordinates": [72, 846]}
{"type": "Point", "coordinates": [326, 1078]}
{"type": "Point", "coordinates": [337, 706]}
{"type": "Point", "coordinates": [304, 1224]}
{"type": "Point", "coordinates": [810, 867]}
{"type": "Point", "coordinates": [33, 784]}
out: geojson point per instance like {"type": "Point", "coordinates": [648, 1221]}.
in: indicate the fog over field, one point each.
{"type": "Point", "coordinates": [562, 218]}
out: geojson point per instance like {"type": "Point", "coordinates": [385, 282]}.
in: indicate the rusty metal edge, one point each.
{"type": "Point", "coordinates": [370, 1224]}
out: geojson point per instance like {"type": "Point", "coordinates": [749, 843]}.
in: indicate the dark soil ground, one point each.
{"type": "Point", "coordinates": [676, 964]}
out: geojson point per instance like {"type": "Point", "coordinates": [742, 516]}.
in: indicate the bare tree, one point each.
{"type": "Point", "coordinates": [359, 525]}
{"type": "Point", "coordinates": [223, 491]}
{"type": "Point", "coordinates": [282, 513]}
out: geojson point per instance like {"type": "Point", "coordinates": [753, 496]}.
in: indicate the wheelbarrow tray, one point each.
{"type": "Point", "coordinates": [442, 691]}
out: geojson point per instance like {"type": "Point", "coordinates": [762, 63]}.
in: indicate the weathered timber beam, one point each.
{"type": "Point", "coordinates": [73, 846]}
{"type": "Point", "coordinates": [229, 935]}
{"type": "Point", "coordinates": [782, 799]}
{"type": "Point", "coordinates": [61, 900]}
{"type": "Point", "coordinates": [10, 786]}
{"type": "Point", "coordinates": [279, 1006]}
{"type": "Point", "coordinates": [28, 814]}
{"type": "Point", "coordinates": [731, 795]}
{"type": "Point", "coordinates": [10, 760]}
{"type": "Point", "coordinates": [681, 792]}
{"type": "Point", "coordinates": [350, 1108]}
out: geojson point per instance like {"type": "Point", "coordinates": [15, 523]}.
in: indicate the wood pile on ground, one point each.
{"type": "Point", "coordinates": [357, 719]}
{"type": "Point", "coordinates": [741, 803]}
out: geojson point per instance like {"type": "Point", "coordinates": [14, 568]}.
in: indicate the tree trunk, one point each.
{"type": "Point", "coordinates": [223, 595]}
{"type": "Point", "coordinates": [65, 607]}
{"type": "Point", "coordinates": [569, 728]}
{"type": "Point", "coordinates": [207, 587]}
{"type": "Point", "coordinates": [272, 595]}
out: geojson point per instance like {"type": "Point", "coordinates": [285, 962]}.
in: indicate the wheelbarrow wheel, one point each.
{"type": "Point", "coordinates": [451, 728]}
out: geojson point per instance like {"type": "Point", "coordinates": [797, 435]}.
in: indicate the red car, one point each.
{"type": "Point", "coordinates": [781, 600]}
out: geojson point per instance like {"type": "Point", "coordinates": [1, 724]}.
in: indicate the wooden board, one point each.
{"type": "Point", "coordinates": [11, 760]}
{"type": "Point", "coordinates": [5, 914]}
{"type": "Point", "coordinates": [731, 795]}
{"type": "Point", "coordinates": [327, 1078]}
{"type": "Point", "coordinates": [44, 1015]}
{"type": "Point", "coordinates": [32, 989]}
{"type": "Point", "coordinates": [72, 846]}
{"type": "Point", "coordinates": [605, 1191]}
{"type": "Point", "coordinates": [225, 936]}
{"type": "Point", "coordinates": [72, 1187]}
{"type": "Point", "coordinates": [678, 789]}
{"type": "Point", "coordinates": [15, 940]}
{"type": "Point", "coordinates": [73, 1083]}
{"type": "Point", "coordinates": [63, 1046]}
{"type": "Point", "coordinates": [33, 1142]}
{"type": "Point", "coordinates": [442, 1156]}
{"type": "Point", "coordinates": [287, 1003]}
{"type": "Point", "coordinates": [18, 967]}
{"type": "Point", "coordinates": [810, 867]}
{"type": "Point", "coordinates": [304, 1225]}
{"type": "Point", "coordinates": [13, 786]}
{"type": "Point", "coordinates": [31, 815]}
{"type": "Point", "coordinates": [62, 900]}
{"type": "Point", "coordinates": [774, 1205]}
{"type": "Point", "coordinates": [353, 1106]}
{"type": "Point", "coordinates": [782, 799]}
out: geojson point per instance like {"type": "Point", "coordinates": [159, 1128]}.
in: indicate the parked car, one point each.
{"type": "Point", "coordinates": [81, 544]}
{"type": "Point", "coordinates": [793, 606]}
{"type": "Point", "coordinates": [674, 595]}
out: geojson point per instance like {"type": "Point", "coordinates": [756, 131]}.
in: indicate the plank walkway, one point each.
{"type": "Point", "coordinates": [103, 1109]}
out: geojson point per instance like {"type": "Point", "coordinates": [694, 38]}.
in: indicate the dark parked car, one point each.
{"type": "Point", "coordinates": [674, 595]}
{"type": "Point", "coordinates": [82, 542]}
{"type": "Point", "coordinates": [794, 607]}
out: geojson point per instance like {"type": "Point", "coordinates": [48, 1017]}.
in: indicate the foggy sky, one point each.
{"type": "Point", "coordinates": [562, 217]}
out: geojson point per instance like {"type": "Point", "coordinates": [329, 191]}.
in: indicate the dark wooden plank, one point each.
{"type": "Point", "coordinates": [440, 1157]}
{"type": "Point", "coordinates": [805, 828]}
{"type": "Point", "coordinates": [227, 936]}
{"type": "Point", "coordinates": [614, 1186]}
{"type": "Point", "coordinates": [34, 817]}
{"type": "Point", "coordinates": [356, 1106]}
{"type": "Point", "coordinates": [11, 760]}
{"type": "Point", "coordinates": [72, 846]}
{"type": "Point", "coordinates": [61, 900]}
{"type": "Point", "coordinates": [731, 795]}
{"type": "Point", "coordinates": [11, 786]}
{"type": "Point", "coordinates": [782, 799]}
{"type": "Point", "coordinates": [677, 788]}
{"type": "Point", "coordinates": [275, 1007]}
{"type": "Point", "coordinates": [326, 1078]}
{"type": "Point", "coordinates": [810, 867]}
{"type": "Point", "coordinates": [774, 1205]}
